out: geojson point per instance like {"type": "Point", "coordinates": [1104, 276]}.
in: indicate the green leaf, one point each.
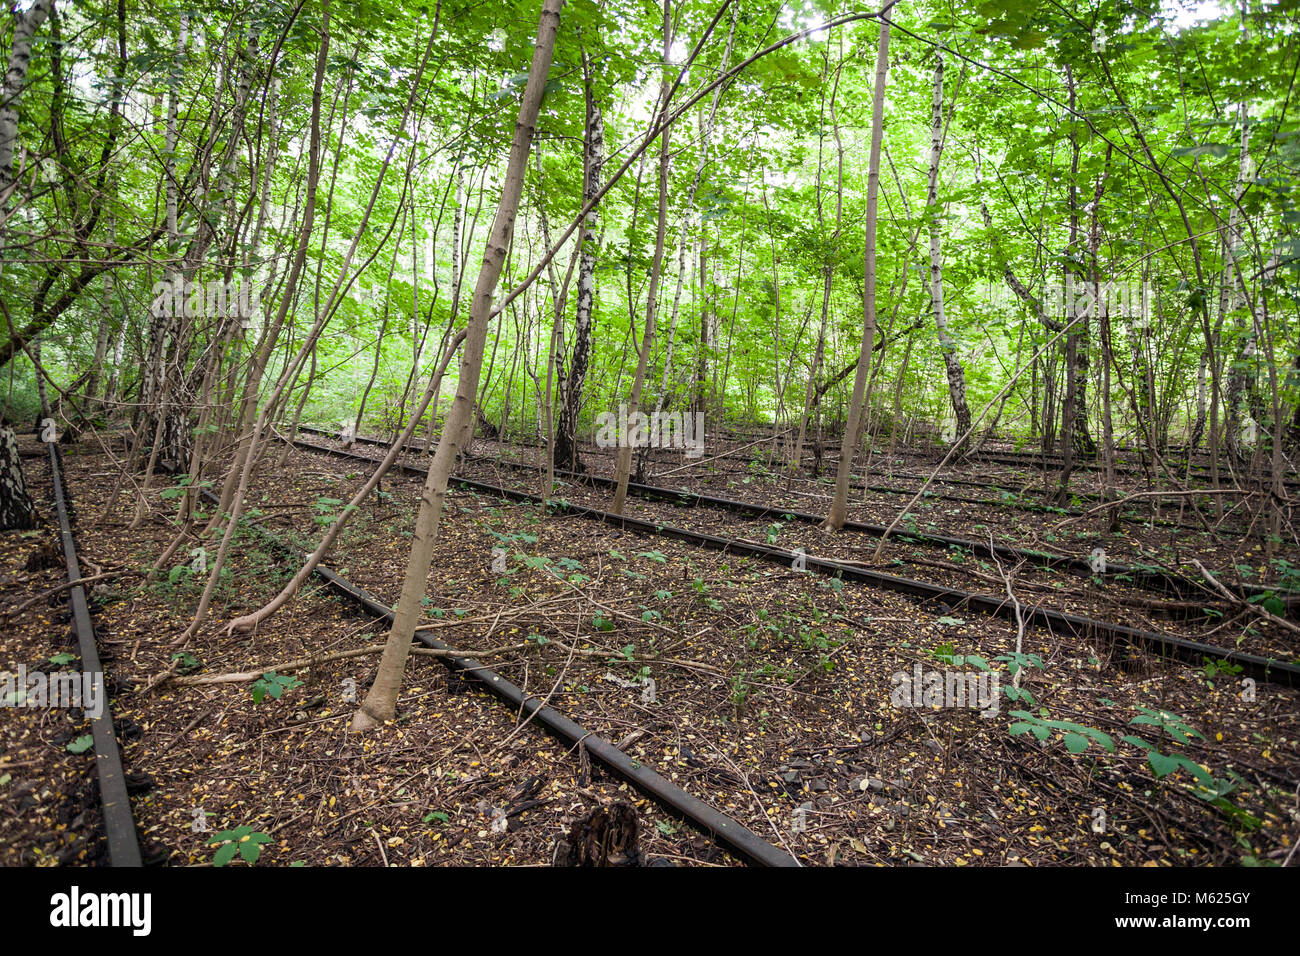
{"type": "Point", "coordinates": [81, 744]}
{"type": "Point", "coordinates": [234, 834]}
{"type": "Point", "coordinates": [225, 854]}
{"type": "Point", "coordinates": [1024, 726]}
{"type": "Point", "coordinates": [1162, 765]}
{"type": "Point", "coordinates": [1018, 693]}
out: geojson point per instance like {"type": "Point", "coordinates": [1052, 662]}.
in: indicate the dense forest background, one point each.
{"type": "Point", "coordinates": [1145, 152]}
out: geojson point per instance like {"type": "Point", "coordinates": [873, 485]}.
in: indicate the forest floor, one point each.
{"type": "Point", "coordinates": [771, 697]}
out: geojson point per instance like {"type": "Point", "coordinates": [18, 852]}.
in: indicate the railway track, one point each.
{"type": "Point", "coordinates": [1158, 580]}
{"type": "Point", "coordinates": [1124, 462]}
{"type": "Point", "coordinates": [1011, 499]}
{"type": "Point", "coordinates": [1053, 462]}
{"type": "Point", "coordinates": [724, 830]}
{"type": "Point", "coordinates": [119, 825]}
{"type": "Point", "coordinates": [1152, 579]}
{"type": "Point", "coordinates": [1055, 621]}
{"type": "Point", "coordinates": [1035, 460]}
{"type": "Point", "coordinates": [1165, 499]}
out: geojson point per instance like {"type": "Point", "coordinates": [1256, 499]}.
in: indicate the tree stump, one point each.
{"type": "Point", "coordinates": [607, 836]}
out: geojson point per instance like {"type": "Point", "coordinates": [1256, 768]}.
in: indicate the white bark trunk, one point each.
{"type": "Point", "coordinates": [17, 510]}
{"type": "Point", "coordinates": [947, 345]}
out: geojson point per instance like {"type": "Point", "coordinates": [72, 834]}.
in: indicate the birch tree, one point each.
{"type": "Point", "coordinates": [573, 374]}
{"type": "Point", "coordinates": [17, 510]}
{"type": "Point", "coordinates": [947, 345]}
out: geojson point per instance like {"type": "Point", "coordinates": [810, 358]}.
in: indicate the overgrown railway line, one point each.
{"type": "Point", "coordinates": [1011, 498]}
{"type": "Point", "coordinates": [727, 832]}
{"type": "Point", "coordinates": [1056, 622]}
{"type": "Point", "coordinates": [1161, 580]}
{"type": "Point", "coordinates": [118, 822]}
{"type": "Point", "coordinates": [1124, 464]}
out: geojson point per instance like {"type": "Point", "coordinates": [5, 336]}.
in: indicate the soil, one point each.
{"type": "Point", "coordinates": [771, 697]}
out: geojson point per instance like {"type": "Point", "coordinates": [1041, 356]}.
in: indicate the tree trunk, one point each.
{"type": "Point", "coordinates": [457, 280]}
{"type": "Point", "coordinates": [624, 466]}
{"type": "Point", "coordinates": [17, 510]}
{"type": "Point", "coordinates": [20, 56]}
{"type": "Point", "coordinates": [1079, 337]}
{"type": "Point", "coordinates": [163, 418]}
{"type": "Point", "coordinates": [1231, 300]}
{"type": "Point", "coordinates": [571, 379]}
{"type": "Point", "coordinates": [853, 432]}
{"type": "Point", "coordinates": [947, 345]}
{"type": "Point", "coordinates": [102, 338]}
{"type": "Point", "coordinates": [381, 701]}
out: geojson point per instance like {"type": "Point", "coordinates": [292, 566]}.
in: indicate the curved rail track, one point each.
{"type": "Point", "coordinates": [1166, 500]}
{"type": "Point", "coordinates": [1015, 502]}
{"type": "Point", "coordinates": [1153, 579]}
{"type": "Point", "coordinates": [1011, 497]}
{"type": "Point", "coordinates": [119, 826]}
{"type": "Point", "coordinates": [1128, 460]}
{"type": "Point", "coordinates": [1054, 621]}
{"type": "Point", "coordinates": [1035, 460]}
{"type": "Point", "coordinates": [736, 837]}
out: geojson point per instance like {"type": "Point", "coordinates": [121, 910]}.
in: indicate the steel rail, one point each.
{"type": "Point", "coordinates": [1053, 620]}
{"type": "Point", "coordinates": [119, 826]}
{"type": "Point", "coordinates": [1153, 579]}
{"type": "Point", "coordinates": [1018, 505]}
{"type": "Point", "coordinates": [719, 827]}
{"type": "Point", "coordinates": [1035, 460]}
